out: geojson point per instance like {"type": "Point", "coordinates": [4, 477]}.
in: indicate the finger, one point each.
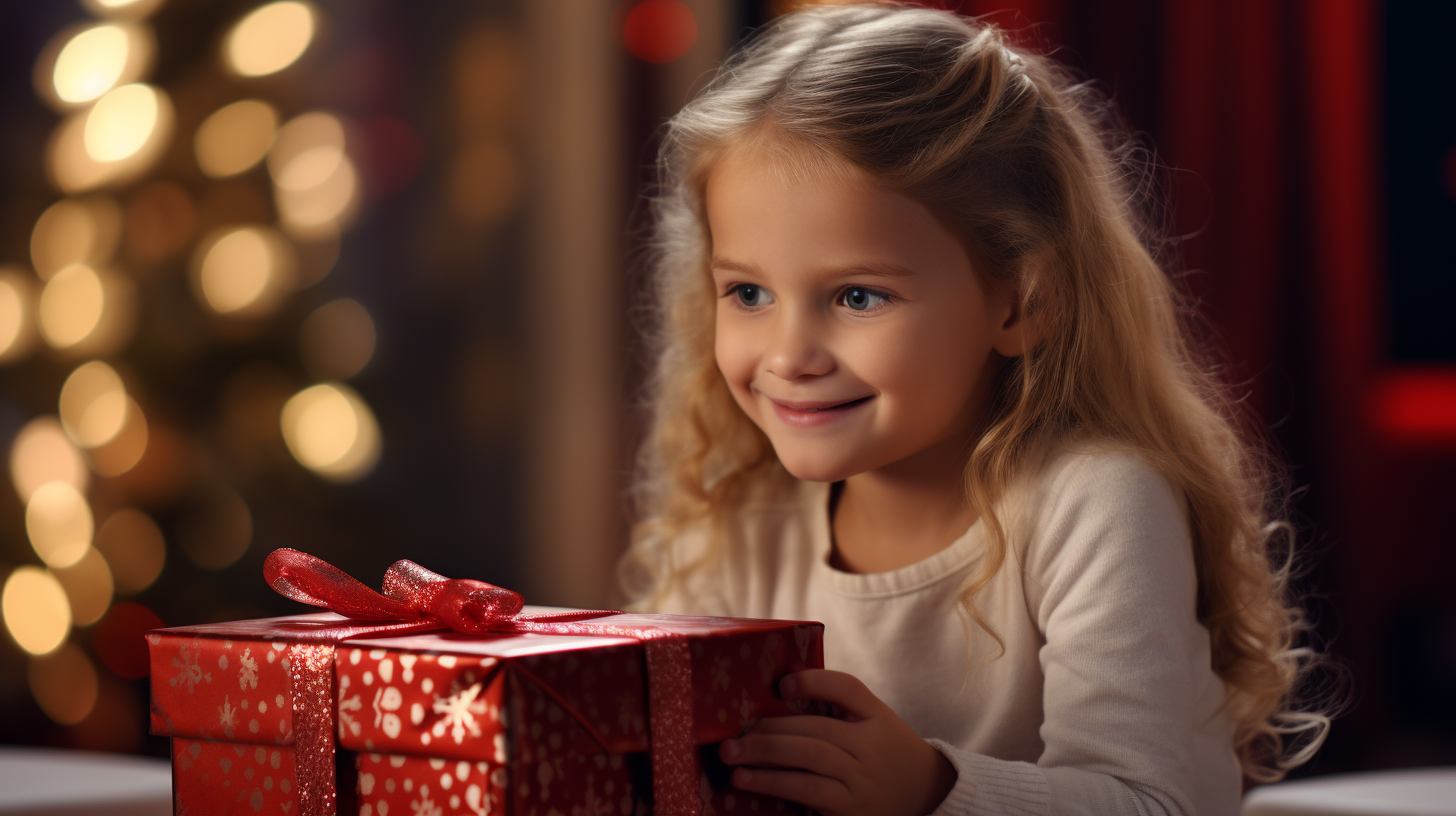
{"type": "Point", "coordinates": [788, 751]}
{"type": "Point", "coordinates": [844, 690]}
{"type": "Point", "coordinates": [837, 732]}
{"type": "Point", "coordinates": [814, 791]}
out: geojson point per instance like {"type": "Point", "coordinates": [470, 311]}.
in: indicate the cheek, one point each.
{"type": "Point", "coordinates": [928, 369]}
{"type": "Point", "coordinates": [732, 349]}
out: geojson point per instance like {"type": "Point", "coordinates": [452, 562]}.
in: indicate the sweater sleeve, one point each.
{"type": "Point", "coordinates": [1130, 702]}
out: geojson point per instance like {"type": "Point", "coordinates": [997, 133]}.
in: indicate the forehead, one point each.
{"type": "Point", "coordinates": [770, 208]}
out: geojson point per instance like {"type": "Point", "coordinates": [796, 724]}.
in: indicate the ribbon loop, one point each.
{"type": "Point", "coordinates": [463, 604]}
{"type": "Point", "coordinates": [316, 582]}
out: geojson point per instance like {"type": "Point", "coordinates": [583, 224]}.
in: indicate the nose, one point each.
{"type": "Point", "coordinates": [798, 348]}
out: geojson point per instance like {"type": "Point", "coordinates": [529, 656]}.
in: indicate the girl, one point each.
{"type": "Point", "coordinates": [918, 376]}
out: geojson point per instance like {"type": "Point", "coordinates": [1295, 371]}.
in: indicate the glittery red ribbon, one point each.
{"type": "Point", "coordinates": [412, 592]}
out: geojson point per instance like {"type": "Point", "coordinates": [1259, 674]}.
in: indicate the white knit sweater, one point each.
{"type": "Point", "coordinates": [1104, 701]}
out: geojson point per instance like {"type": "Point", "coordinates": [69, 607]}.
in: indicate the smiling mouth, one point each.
{"type": "Point", "coordinates": [849, 404]}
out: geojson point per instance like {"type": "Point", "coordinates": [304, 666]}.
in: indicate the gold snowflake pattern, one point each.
{"type": "Point", "coordinates": [227, 716]}
{"type": "Point", "coordinates": [189, 670]}
{"type": "Point", "coordinates": [247, 670]}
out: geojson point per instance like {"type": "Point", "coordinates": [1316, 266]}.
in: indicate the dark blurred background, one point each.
{"type": "Point", "coordinates": [405, 331]}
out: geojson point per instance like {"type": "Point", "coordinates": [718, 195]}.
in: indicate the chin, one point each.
{"type": "Point", "coordinates": [816, 469]}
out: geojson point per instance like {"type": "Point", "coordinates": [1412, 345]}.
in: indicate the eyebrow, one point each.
{"type": "Point", "coordinates": [874, 269]}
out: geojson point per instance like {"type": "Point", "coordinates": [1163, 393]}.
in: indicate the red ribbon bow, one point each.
{"type": "Point", "coordinates": [412, 592]}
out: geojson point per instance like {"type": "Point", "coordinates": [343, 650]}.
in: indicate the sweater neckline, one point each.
{"type": "Point", "coordinates": [949, 563]}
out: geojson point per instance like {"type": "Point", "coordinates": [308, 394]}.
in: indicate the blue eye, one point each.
{"type": "Point", "coordinates": [861, 299]}
{"type": "Point", "coordinates": [750, 295]}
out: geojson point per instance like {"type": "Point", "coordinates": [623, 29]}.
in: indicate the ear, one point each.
{"type": "Point", "coordinates": [1020, 329]}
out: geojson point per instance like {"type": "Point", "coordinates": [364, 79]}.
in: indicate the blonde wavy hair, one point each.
{"type": "Point", "coordinates": [1050, 197]}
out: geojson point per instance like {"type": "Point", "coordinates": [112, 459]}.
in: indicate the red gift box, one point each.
{"type": "Point", "coordinates": [541, 724]}
{"type": "Point", "coordinates": [224, 693]}
{"type": "Point", "coordinates": [564, 713]}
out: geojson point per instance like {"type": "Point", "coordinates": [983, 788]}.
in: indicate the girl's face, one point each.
{"type": "Point", "coordinates": [851, 326]}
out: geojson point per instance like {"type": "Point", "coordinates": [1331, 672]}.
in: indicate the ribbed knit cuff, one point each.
{"type": "Point", "coordinates": [992, 787]}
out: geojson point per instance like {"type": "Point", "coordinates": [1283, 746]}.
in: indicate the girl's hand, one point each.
{"type": "Point", "coordinates": [870, 762]}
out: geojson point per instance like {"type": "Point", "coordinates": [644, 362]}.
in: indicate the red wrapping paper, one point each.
{"type": "Point", "coordinates": [471, 724]}
{"type": "Point", "coordinates": [560, 721]}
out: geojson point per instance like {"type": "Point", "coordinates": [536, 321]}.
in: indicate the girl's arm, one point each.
{"type": "Point", "coordinates": [1132, 720]}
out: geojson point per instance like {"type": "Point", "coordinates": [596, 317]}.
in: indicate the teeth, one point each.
{"type": "Point", "coordinates": [812, 410]}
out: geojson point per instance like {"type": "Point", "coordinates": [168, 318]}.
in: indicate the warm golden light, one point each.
{"type": "Point", "coordinates": [36, 611]}
{"type": "Point", "coordinates": [115, 141]}
{"type": "Point", "coordinates": [122, 452]}
{"type": "Point", "coordinates": [243, 270]}
{"type": "Point", "coordinates": [93, 404]}
{"type": "Point", "coordinates": [88, 587]}
{"type": "Point", "coordinates": [59, 524]}
{"type": "Point", "coordinates": [330, 430]}
{"type": "Point", "coordinates": [75, 230]}
{"type": "Point", "coordinates": [217, 533]}
{"type": "Point", "coordinates": [122, 8]}
{"type": "Point", "coordinates": [17, 314]}
{"type": "Point", "coordinates": [91, 63]}
{"type": "Point", "coordinates": [64, 684]}
{"type": "Point", "coordinates": [121, 122]}
{"type": "Point", "coordinates": [71, 305]}
{"type": "Point", "coordinates": [311, 168]}
{"type": "Point", "coordinates": [300, 135]}
{"type": "Point", "coordinates": [235, 138]}
{"type": "Point", "coordinates": [271, 38]}
{"type": "Point", "coordinates": [134, 549]}
{"type": "Point", "coordinates": [315, 183]}
{"type": "Point", "coordinates": [337, 340]}
{"type": "Point", "coordinates": [320, 209]}
{"type": "Point", "coordinates": [42, 453]}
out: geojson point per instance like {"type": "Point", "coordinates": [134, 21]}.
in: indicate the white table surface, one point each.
{"type": "Point", "coordinates": [50, 782]}
{"type": "Point", "coordinates": [1414, 792]}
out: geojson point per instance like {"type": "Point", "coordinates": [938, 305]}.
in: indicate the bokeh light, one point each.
{"type": "Point", "coordinates": [660, 31]}
{"type": "Point", "coordinates": [64, 684]}
{"type": "Point", "coordinates": [17, 314]}
{"type": "Point", "coordinates": [134, 549]}
{"type": "Point", "coordinates": [120, 639]}
{"type": "Point", "coordinates": [315, 183]}
{"type": "Point", "coordinates": [37, 614]}
{"type": "Point", "coordinates": [243, 270]}
{"type": "Point", "coordinates": [93, 404]}
{"type": "Point", "coordinates": [216, 533]}
{"type": "Point", "coordinates": [122, 8]}
{"type": "Point", "coordinates": [88, 585]}
{"type": "Point", "coordinates": [330, 430]}
{"type": "Point", "coordinates": [125, 450]}
{"type": "Point", "coordinates": [337, 340]}
{"type": "Point", "coordinates": [121, 122]}
{"type": "Point", "coordinates": [235, 138]}
{"type": "Point", "coordinates": [75, 230]}
{"type": "Point", "coordinates": [42, 453]}
{"type": "Point", "coordinates": [71, 305]}
{"type": "Point", "coordinates": [100, 58]}
{"type": "Point", "coordinates": [59, 523]}
{"type": "Point", "coordinates": [87, 310]}
{"type": "Point", "coordinates": [270, 38]}
{"type": "Point", "coordinates": [115, 141]}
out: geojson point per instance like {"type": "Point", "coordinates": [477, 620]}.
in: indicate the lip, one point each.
{"type": "Point", "coordinates": [815, 413]}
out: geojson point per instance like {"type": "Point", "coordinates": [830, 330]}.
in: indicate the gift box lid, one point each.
{"type": "Point", "coordinates": [485, 697]}
{"type": "Point", "coordinates": [230, 681]}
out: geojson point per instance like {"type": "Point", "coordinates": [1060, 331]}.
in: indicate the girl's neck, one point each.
{"type": "Point", "coordinates": [901, 514]}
